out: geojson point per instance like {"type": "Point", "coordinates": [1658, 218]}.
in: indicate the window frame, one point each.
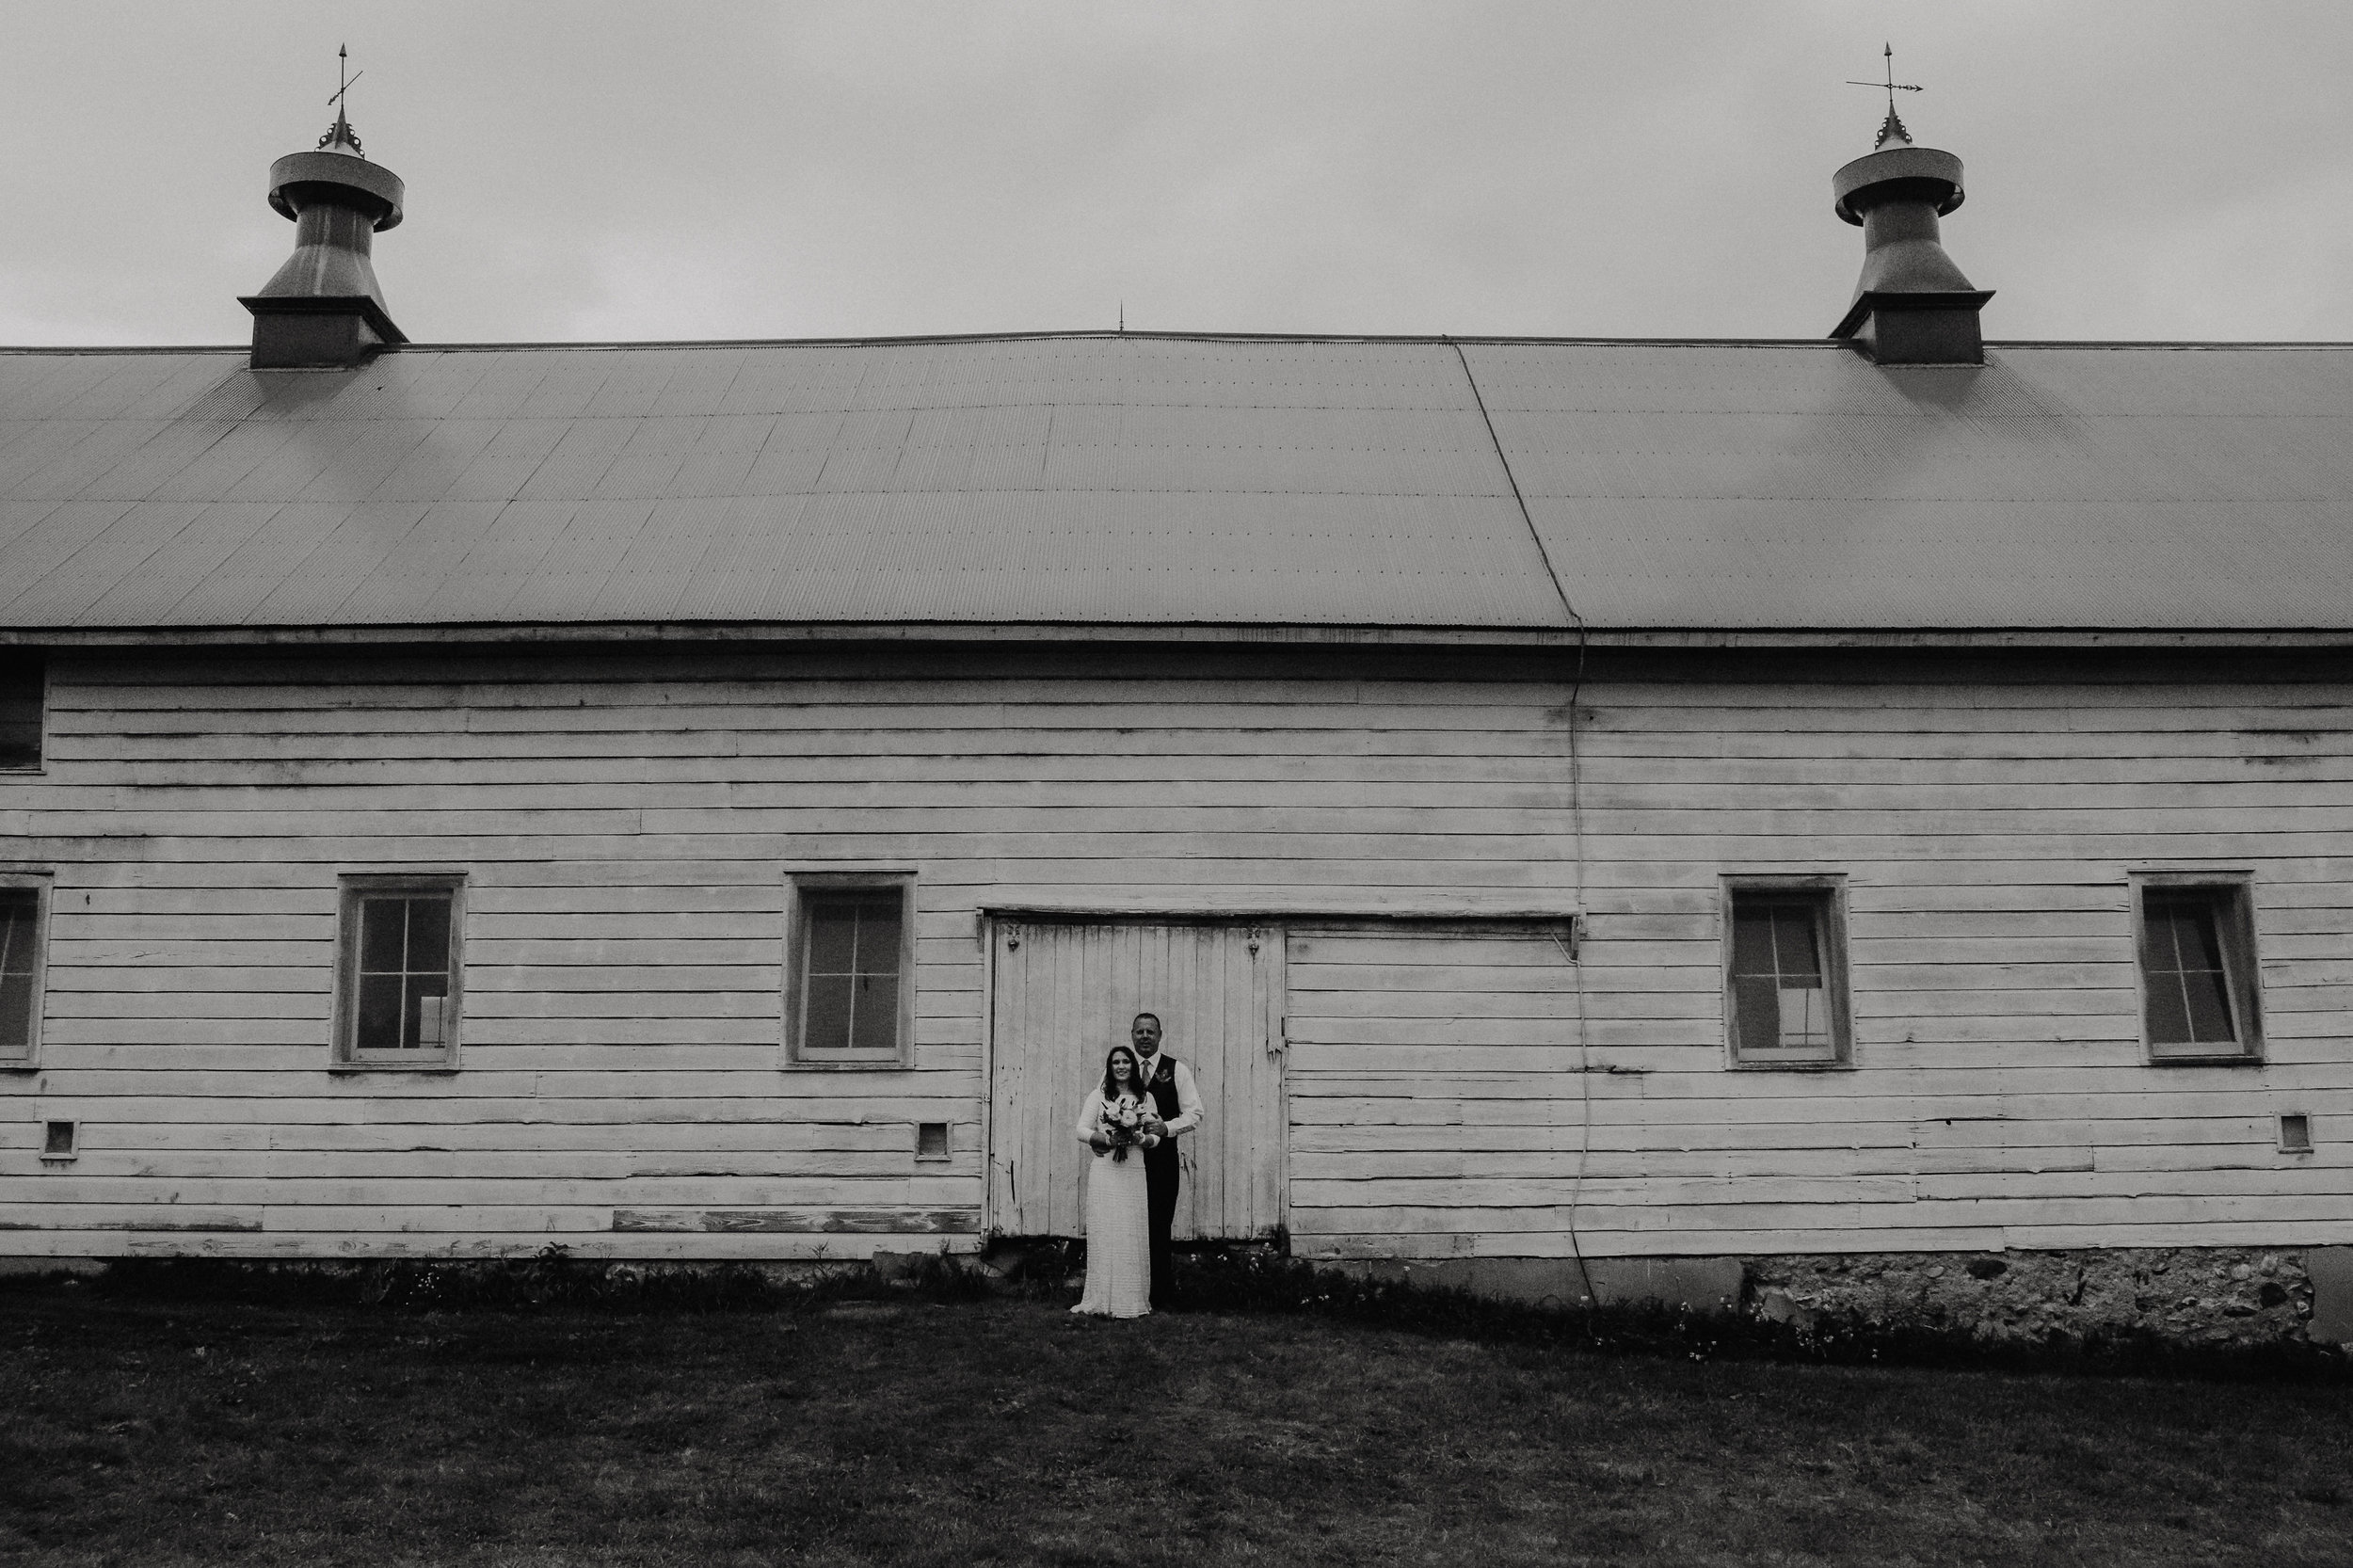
{"type": "Point", "coordinates": [43, 885]}
{"type": "Point", "coordinates": [806, 886]}
{"type": "Point", "coordinates": [40, 719]}
{"type": "Point", "coordinates": [1827, 892]}
{"type": "Point", "coordinates": [354, 889]}
{"type": "Point", "coordinates": [2233, 893]}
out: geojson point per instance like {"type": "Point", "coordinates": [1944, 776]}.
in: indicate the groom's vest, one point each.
{"type": "Point", "coordinates": [1163, 1086]}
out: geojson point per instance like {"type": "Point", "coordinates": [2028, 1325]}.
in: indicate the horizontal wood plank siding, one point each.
{"type": "Point", "coordinates": [628, 825]}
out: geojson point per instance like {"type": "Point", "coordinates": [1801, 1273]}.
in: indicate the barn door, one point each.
{"type": "Point", "coordinates": [1064, 995]}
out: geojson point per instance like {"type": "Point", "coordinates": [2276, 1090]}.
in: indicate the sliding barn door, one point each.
{"type": "Point", "coordinates": [1064, 995]}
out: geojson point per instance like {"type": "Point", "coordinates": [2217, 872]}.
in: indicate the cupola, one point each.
{"type": "Point", "coordinates": [1912, 306]}
{"type": "Point", "coordinates": [324, 307]}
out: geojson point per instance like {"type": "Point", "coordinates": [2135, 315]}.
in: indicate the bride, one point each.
{"type": "Point", "coordinates": [1118, 1122]}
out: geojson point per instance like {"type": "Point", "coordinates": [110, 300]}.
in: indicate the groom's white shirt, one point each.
{"type": "Point", "coordinates": [1188, 1099]}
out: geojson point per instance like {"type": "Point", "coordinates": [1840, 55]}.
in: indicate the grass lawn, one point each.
{"type": "Point", "coordinates": [141, 1432]}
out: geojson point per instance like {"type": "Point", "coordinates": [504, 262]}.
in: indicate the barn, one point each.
{"type": "Point", "coordinates": [1589, 811]}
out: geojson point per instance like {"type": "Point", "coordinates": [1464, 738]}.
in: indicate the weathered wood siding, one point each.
{"type": "Point", "coordinates": [627, 824]}
{"type": "Point", "coordinates": [1987, 830]}
{"type": "Point", "coordinates": [1065, 993]}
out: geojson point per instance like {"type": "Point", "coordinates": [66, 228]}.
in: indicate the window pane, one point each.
{"type": "Point", "coordinates": [2156, 937]}
{"type": "Point", "coordinates": [1756, 1012]}
{"type": "Point", "coordinates": [16, 1014]}
{"type": "Point", "coordinates": [378, 1026]}
{"type": "Point", "coordinates": [825, 1023]}
{"type": "Point", "coordinates": [1752, 939]}
{"type": "Point", "coordinates": [849, 980]}
{"type": "Point", "coordinates": [401, 947]}
{"type": "Point", "coordinates": [1781, 1001]}
{"type": "Point", "coordinates": [1804, 1018]}
{"type": "Point", "coordinates": [1775, 939]}
{"type": "Point", "coordinates": [421, 1020]}
{"type": "Point", "coordinates": [20, 712]}
{"type": "Point", "coordinates": [382, 938]}
{"type": "Point", "coordinates": [2168, 1012]}
{"type": "Point", "coordinates": [20, 950]}
{"type": "Point", "coordinates": [878, 938]}
{"type": "Point", "coordinates": [20, 908]}
{"type": "Point", "coordinates": [875, 1014]}
{"type": "Point", "coordinates": [2183, 971]}
{"type": "Point", "coordinates": [1794, 951]}
{"type": "Point", "coordinates": [2209, 1008]}
{"type": "Point", "coordinates": [429, 936]}
{"type": "Point", "coordinates": [832, 937]}
{"type": "Point", "coordinates": [2195, 940]}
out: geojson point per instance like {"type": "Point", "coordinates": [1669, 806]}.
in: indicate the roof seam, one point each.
{"type": "Point", "coordinates": [1542, 553]}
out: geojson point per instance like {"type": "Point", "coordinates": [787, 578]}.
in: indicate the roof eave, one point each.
{"type": "Point", "coordinates": [1012, 632]}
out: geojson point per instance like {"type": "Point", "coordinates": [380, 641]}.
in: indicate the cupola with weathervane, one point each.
{"type": "Point", "coordinates": [324, 307]}
{"type": "Point", "coordinates": [1912, 306]}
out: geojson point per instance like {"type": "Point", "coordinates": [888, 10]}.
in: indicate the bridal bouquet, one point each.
{"type": "Point", "coordinates": [1123, 1124]}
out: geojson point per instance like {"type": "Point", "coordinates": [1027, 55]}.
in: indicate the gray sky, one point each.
{"type": "Point", "coordinates": [724, 169]}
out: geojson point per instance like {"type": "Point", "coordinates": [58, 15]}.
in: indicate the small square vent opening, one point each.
{"type": "Point", "coordinates": [2296, 1133]}
{"type": "Point", "coordinates": [57, 1140]}
{"type": "Point", "coordinates": [931, 1139]}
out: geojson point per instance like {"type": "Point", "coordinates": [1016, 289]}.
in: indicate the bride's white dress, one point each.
{"type": "Point", "coordinates": [1119, 1255]}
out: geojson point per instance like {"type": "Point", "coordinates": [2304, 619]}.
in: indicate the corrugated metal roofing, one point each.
{"type": "Point", "coordinates": [1174, 481]}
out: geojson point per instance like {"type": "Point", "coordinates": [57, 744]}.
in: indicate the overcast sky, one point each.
{"type": "Point", "coordinates": [1571, 167]}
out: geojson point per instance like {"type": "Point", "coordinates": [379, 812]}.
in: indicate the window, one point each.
{"type": "Point", "coordinates": [399, 994]}
{"type": "Point", "coordinates": [23, 926]}
{"type": "Point", "coordinates": [1786, 980]}
{"type": "Point", "coordinates": [850, 1002]}
{"type": "Point", "coordinates": [21, 685]}
{"type": "Point", "coordinates": [2197, 970]}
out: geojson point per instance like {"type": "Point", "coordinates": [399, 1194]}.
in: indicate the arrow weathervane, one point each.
{"type": "Point", "coordinates": [340, 103]}
{"type": "Point", "coordinates": [1893, 86]}
{"type": "Point", "coordinates": [342, 63]}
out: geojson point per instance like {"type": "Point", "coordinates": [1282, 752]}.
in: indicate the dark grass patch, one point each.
{"type": "Point", "coordinates": [551, 1279]}
{"type": "Point", "coordinates": [1257, 1281]}
{"type": "Point", "coordinates": [1254, 1280]}
{"type": "Point", "coordinates": [143, 1431]}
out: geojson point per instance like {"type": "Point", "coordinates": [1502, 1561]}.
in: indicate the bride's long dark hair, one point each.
{"type": "Point", "coordinates": [1111, 1090]}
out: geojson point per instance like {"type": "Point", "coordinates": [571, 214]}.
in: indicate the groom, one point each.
{"type": "Point", "coordinates": [1180, 1106]}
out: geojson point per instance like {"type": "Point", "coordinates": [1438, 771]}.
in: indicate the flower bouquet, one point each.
{"type": "Point", "coordinates": [1127, 1125]}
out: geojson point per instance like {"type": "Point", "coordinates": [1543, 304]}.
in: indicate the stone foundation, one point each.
{"type": "Point", "coordinates": [2226, 1297]}
{"type": "Point", "coordinates": [2216, 1296]}
{"type": "Point", "coordinates": [1697, 1285]}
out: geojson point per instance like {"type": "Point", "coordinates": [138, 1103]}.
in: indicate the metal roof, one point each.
{"type": "Point", "coordinates": [1170, 481]}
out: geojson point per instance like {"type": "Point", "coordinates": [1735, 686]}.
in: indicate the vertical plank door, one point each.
{"type": "Point", "coordinates": [1064, 994]}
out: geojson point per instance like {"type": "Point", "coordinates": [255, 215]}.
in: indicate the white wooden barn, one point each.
{"type": "Point", "coordinates": [1617, 799]}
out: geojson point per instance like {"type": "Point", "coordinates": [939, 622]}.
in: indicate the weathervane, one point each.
{"type": "Point", "coordinates": [341, 129]}
{"type": "Point", "coordinates": [1892, 87]}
